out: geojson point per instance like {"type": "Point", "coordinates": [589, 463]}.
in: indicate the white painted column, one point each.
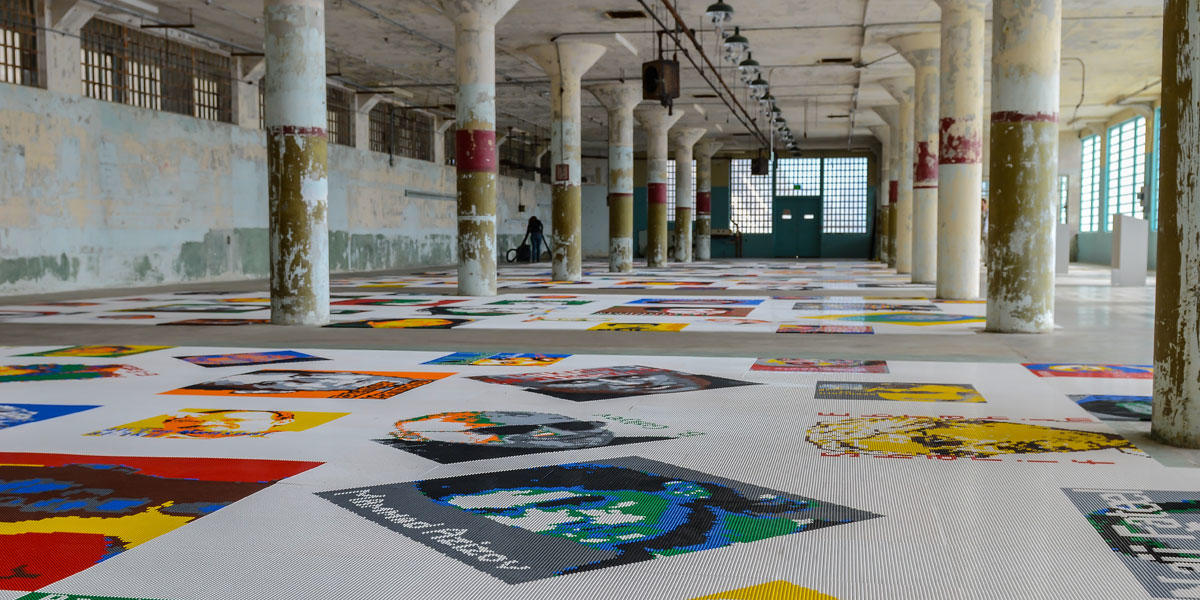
{"type": "Point", "coordinates": [921, 51]}
{"type": "Point", "coordinates": [960, 157]}
{"type": "Point", "coordinates": [705, 151]}
{"type": "Point", "coordinates": [60, 48]}
{"type": "Point", "coordinates": [619, 99]}
{"type": "Point", "coordinates": [476, 157]}
{"type": "Point", "coordinates": [363, 104]}
{"type": "Point", "coordinates": [1176, 418]}
{"type": "Point", "coordinates": [565, 63]}
{"type": "Point", "coordinates": [902, 216]}
{"type": "Point", "coordinates": [657, 123]}
{"type": "Point", "coordinates": [684, 140]}
{"type": "Point", "coordinates": [883, 199]}
{"type": "Point", "coordinates": [298, 186]}
{"type": "Point", "coordinates": [249, 71]}
{"type": "Point", "coordinates": [1022, 210]}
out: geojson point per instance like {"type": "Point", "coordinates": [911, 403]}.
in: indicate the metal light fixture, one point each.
{"type": "Point", "coordinates": [759, 88]}
{"type": "Point", "coordinates": [749, 68]}
{"type": "Point", "coordinates": [735, 45]}
{"type": "Point", "coordinates": [767, 101]}
{"type": "Point", "coordinates": [719, 14]}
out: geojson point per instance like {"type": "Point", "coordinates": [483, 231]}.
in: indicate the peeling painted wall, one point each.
{"type": "Point", "coordinates": [98, 194]}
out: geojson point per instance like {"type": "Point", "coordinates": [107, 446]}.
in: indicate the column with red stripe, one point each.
{"type": "Point", "coordinates": [619, 99]}
{"type": "Point", "coordinates": [655, 119]}
{"type": "Point", "coordinates": [705, 151]}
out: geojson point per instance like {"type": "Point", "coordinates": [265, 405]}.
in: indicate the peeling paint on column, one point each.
{"type": "Point", "coordinates": [476, 162]}
{"type": "Point", "coordinates": [297, 179]}
{"type": "Point", "coordinates": [901, 221]}
{"type": "Point", "coordinates": [565, 63]}
{"type": "Point", "coordinates": [704, 156]}
{"type": "Point", "coordinates": [960, 155]}
{"type": "Point", "coordinates": [921, 51]}
{"type": "Point", "coordinates": [884, 134]}
{"type": "Point", "coordinates": [655, 120]}
{"type": "Point", "coordinates": [685, 141]}
{"type": "Point", "coordinates": [1176, 419]}
{"type": "Point", "coordinates": [619, 99]}
{"type": "Point", "coordinates": [1023, 198]}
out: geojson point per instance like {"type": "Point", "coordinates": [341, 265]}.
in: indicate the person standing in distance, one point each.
{"type": "Point", "coordinates": [535, 239]}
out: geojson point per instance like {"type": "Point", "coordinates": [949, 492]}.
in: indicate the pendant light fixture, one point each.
{"type": "Point", "coordinates": [719, 14]}
{"type": "Point", "coordinates": [749, 68]}
{"type": "Point", "coordinates": [735, 45]}
{"type": "Point", "coordinates": [759, 88]}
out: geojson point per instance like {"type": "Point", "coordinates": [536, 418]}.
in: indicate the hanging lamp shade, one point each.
{"type": "Point", "coordinates": [736, 45]}
{"type": "Point", "coordinates": [759, 88]}
{"type": "Point", "coordinates": [749, 68]}
{"type": "Point", "coordinates": [719, 13]}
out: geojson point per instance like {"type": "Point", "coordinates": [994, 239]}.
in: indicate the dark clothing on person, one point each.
{"type": "Point", "coordinates": [535, 239]}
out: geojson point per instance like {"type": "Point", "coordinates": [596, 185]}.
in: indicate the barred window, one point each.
{"type": "Point", "coordinates": [339, 110]}
{"type": "Point", "coordinates": [750, 198]}
{"type": "Point", "coordinates": [122, 64]}
{"type": "Point", "coordinates": [672, 173]}
{"type": "Point", "coordinates": [1090, 180]}
{"type": "Point", "coordinates": [844, 195]}
{"type": "Point", "coordinates": [799, 177]}
{"type": "Point", "coordinates": [1126, 169]}
{"type": "Point", "coordinates": [1064, 194]}
{"type": "Point", "coordinates": [518, 155]}
{"type": "Point", "coordinates": [18, 42]}
{"type": "Point", "coordinates": [402, 131]}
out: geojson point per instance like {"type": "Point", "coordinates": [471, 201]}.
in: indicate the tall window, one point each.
{"type": "Point", "coordinates": [750, 198]}
{"type": "Point", "coordinates": [518, 155]}
{"type": "Point", "coordinates": [123, 64]}
{"type": "Point", "coordinates": [403, 132]}
{"type": "Point", "coordinates": [1126, 169]}
{"type": "Point", "coordinates": [671, 176]}
{"type": "Point", "coordinates": [18, 42]}
{"type": "Point", "coordinates": [1064, 194]}
{"type": "Point", "coordinates": [339, 116]}
{"type": "Point", "coordinates": [844, 191]}
{"type": "Point", "coordinates": [1089, 185]}
{"type": "Point", "coordinates": [798, 177]}
{"type": "Point", "coordinates": [1155, 172]}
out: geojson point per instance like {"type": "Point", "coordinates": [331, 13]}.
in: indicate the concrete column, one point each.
{"type": "Point", "coordinates": [960, 156]}
{"type": "Point", "coordinates": [884, 134]}
{"type": "Point", "coordinates": [59, 57]}
{"type": "Point", "coordinates": [655, 120]}
{"type": "Point", "coordinates": [619, 99]}
{"type": "Point", "coordinates": [363, 104]}
{"type": "Point", "coordinates": [921, 51]}
{"type": "Point", "coordinates": [476, 157]}
{"type": "Point", "coordinates": [249, 71]}
{"type": "Point", "coordinates": [298, 189]}
{"type": "Point", "coordinates": [901, 223]}
{"type": "Point", "coordinates": [684, 140]}
{"type": "Point", "coordinates": [1022, 210]}
{"type": "Point", "coordinates": [704, 155]}
{"type": "Point", "coordinates": [565, 63]}
{"type": "Point", "coordinates": [439, 139]}
{"type": "Point", "coordinates": [1177, 315]}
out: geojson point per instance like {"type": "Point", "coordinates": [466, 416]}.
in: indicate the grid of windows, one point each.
{"type": "Point", "coordinates": [1064, 194]}
{"type": "Point", "coordinates": [120, 64]}
{"type": "Point", "coordinates": [339, 113]}
{"type": "Point", "coordinates": [844, 191]}
{"type": "Point", "coordinates": [750, 198]}
{"type": "Point", "coordinates": [18, 42]}
{"type": "Point", "coordinates": [1089, 188]}
{"type": "Point", "coordinates": [518, 155]}
{"type": "Point", "coordinates": [671, 172]}
{"type": "Point", "coordinates": [798, 177]}
{"type": "Point", "coordinates": [1126, 169]}
{"type": "Point", "coordinates": [403, 132]}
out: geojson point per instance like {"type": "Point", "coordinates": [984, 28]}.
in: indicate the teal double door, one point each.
{"type": "Point", "coordinates": [797, 226]}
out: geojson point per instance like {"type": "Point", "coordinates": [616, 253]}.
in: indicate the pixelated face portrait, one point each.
{"type": "Point", "coordinates": [296, 381]}
{"type": "Point", "coordinates": [632, 382]}
{"type": "Point", "coordinates": [215, 423]}
{"type": "Point", "coordinates": [505, 428]}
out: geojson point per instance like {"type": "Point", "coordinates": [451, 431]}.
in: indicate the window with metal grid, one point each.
{"type": "Point", "coordinates": [750, 198]}
{"type": "Point", "coordinates": [121, 64]}
{"type": "Point", "coordinates": [1126, 169]}
{"type": "Point", "coordinates": [1089, 185]}
{"type": "Point", "coordinates": [798, 177]}
{"type": "Point", "coordinates": [671, 175]}
{"type": "Point", "coordinates": [452, 150]}
{"type": "Point", "coordinates": [18, 42]}
{"type": "Point", "coordinates": [518, 155]}
{"type": "Point", "coordinates": [843, 188]}
{"type": "Point", "coordinates": [339, 113]}
{"type": "Point", "coordinates": [402, 131]}
{"type": "Point", "coordinates": [1064, 193]}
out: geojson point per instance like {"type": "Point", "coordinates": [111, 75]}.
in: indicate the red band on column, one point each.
{"type": "Point", "coordinates": [475, 150]}
{"type": "Point", "coordinates": [958, 149]}
{"type": "Point", "coordinates": [893, 191]}
{"type": "Point", "coordinates": [703, 202]}
{"type": "Point", "coordinates": [926, 167]}
{"type": "Point", "coordinates": [1012, 116]}
{"type": "Point", "coordinates": [657, 193]}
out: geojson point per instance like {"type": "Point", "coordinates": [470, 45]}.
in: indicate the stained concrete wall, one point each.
{"type": "Point", "coordinates": [95, 194]}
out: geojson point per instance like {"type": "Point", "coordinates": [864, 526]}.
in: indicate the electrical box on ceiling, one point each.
{"type": "Point", "coordinates": [660, 80]}
{"type": "Point", "coordinates": [760, 166]}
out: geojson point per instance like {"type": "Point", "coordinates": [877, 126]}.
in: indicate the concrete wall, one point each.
{"type": "Point", "coordinates": [97, 194]}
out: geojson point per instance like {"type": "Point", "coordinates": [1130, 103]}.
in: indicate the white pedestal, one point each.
{"type": "Point", "coordinates": [1131, 240]}
{"type": "Point", "coordinates": [1062, 249]}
